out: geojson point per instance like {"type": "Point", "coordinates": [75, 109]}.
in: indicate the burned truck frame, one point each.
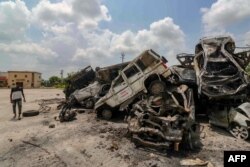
{"type": "Point", "coordinates": [79, 80]}
{"type": "Point", "coordinates": [223, 83]}
{"type": "Point", "coordinates": [88, 95]}
{"type": "Point", "coordinates": [184, 73]}
{"type": "Point", "coordinates": [220, 72]}
{"type": "Point", "coordinates": [165, 121]}
{"type": "Point", "coordinates": [146, 73]}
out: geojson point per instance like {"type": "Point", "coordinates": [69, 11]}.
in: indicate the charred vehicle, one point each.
{"type": "Point", "coordinates": [165, 121]}
{"type": "Point", "coordinates": [184, 73]}
{"type": "Point", "coordinates": [146, 73]}
{"type": "Point", "coordinates": [87, 96]}
{"type": "Point", "coordinates": [79, 80]}
{"type": "Point", "coordinates": [109, 73]}
{"type": "Point", "coordinates": [220, 72]}
{"type": "Point", "coordinates": [236, 120]}
{"type": "Point", "coordinates": [222, 81]}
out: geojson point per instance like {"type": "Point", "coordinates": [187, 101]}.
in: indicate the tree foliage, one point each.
{"type": "Point", "coordinates": [54, 80]}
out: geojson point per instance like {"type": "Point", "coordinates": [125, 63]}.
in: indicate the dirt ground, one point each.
{"type": "Point", "coordinates": [89, 142]}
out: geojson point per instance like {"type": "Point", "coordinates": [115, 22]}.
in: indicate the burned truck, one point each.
{"type": "Point", "coordinates": [184, 73]}
{"type": "Point", "coordinates": [79, 80]}
{"type": "Point", "coordinates": [223, 83]}
{"type": "Point", "coordinates": [165, 120]}
{"type": "Point", "coordinates": [146, 73]}
{"type": "Point", "coordinates": [220, 72]}
{"type": "Point", "coordinates": [87, 96]}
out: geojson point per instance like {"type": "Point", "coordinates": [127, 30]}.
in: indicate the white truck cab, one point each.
{"type": "Point", "coordinates": [145, 73]}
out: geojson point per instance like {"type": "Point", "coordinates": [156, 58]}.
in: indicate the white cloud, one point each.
{"type": "Point", "coordinates": [13, 20]}
{"type": "Point", "coordinates": [26, 49]}
{"type": "Point", "coordinates": [91, 9]}
{"type": "Point", "coordinates": [85, 14]}
{"type": "Point", "coordinates": [224, 13]}
{"type": "Point", "coordinates": [163, 36]}
{"type": "Point", "coordinates": [73, 39]}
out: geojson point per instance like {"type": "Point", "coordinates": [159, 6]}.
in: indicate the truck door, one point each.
{"type": "Point", "coordinates": [134, 78]}
{"type": "Point", "coordinates": [121, 90]}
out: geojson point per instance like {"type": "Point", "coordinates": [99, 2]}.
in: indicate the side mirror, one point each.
{"type": "Point", "coordinates": [164, 59]}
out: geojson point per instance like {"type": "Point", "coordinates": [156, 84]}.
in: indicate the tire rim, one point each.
{"type": "Point", "coordinates": [239, 132]}
{"type": "Point", "coordinates": [157, 88]}
{"type": "Point", "coordinates": [89, 104]}
{"type": "Point", "coordinates": [106, 114]}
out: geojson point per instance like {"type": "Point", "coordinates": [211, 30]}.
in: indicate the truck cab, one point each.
{"type": "Point", "coordinates": [146, 73]}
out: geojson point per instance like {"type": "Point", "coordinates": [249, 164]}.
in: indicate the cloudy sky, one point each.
{"type": "Point", "coordinates": [50, 35]}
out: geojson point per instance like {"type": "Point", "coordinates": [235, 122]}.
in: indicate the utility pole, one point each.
{"type": "Point", "coordinates": [122, 56]}
{"type": "Point", "coordinates": [61, 74]}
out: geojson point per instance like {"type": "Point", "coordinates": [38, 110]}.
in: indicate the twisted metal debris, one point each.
{"type": "Point", "coordinates": [164, 121]}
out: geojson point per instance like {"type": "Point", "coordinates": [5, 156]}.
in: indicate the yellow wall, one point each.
{"type": "Point", "coordinates": [37, 80]}
{"type": "Point", "coordinates": [25, 78]}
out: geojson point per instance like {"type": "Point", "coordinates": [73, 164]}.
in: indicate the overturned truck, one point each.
{"type": "Point", "coordinates": [146, 73]}
{"type": "Point", "coordinates": [93, 87]}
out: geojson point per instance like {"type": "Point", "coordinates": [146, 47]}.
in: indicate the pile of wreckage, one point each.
{"type": "Point", "coordinates": [161, 102]}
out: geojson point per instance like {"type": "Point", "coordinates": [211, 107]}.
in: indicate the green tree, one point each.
{"type": "Point", "coordinates": [54, 80]}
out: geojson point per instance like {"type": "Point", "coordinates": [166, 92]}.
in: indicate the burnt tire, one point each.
{"type": "Point", "coordinates": [90, 103]}
{"type": "Point", "coordinates": [30, 113]}
{"type": "Point", "coordinates": [157, 87]}
{"type": "Point", "coordinates": [106, 114]}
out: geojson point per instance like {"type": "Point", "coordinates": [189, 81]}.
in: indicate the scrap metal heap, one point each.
{"type": "Point", "coordinates": [184, 73]}
{"type": "Point", "coordinates": [219, 70]}
{"type": "Point", "coordinates": [79, 80]}
{"type": "Point", "coordinates": [86, 87]}
{"type": "Point", "coordinates": [215, 75]}
{"type": "Point", "coordinates": [164, 121]}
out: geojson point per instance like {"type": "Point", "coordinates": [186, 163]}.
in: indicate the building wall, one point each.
{"type": "Point", "coordinates": [3, 74]}
{"type": "Point", "coordinates": [3, 79]}
{"type": "Point", "coordinates": [37, 80]}
{"type": "Point", "coordinates": [28, 79]}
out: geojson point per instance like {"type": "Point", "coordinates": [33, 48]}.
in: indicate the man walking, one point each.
{"type": "Point", "coordinates": [16, 95]}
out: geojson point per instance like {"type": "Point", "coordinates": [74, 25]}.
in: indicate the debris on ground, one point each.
{"type": "Point", "coordinates": [66, 114]}
{"type": "Point", "coordinates": [52, 126]}
{"type": "Point", "coordinates": [195, 162]}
